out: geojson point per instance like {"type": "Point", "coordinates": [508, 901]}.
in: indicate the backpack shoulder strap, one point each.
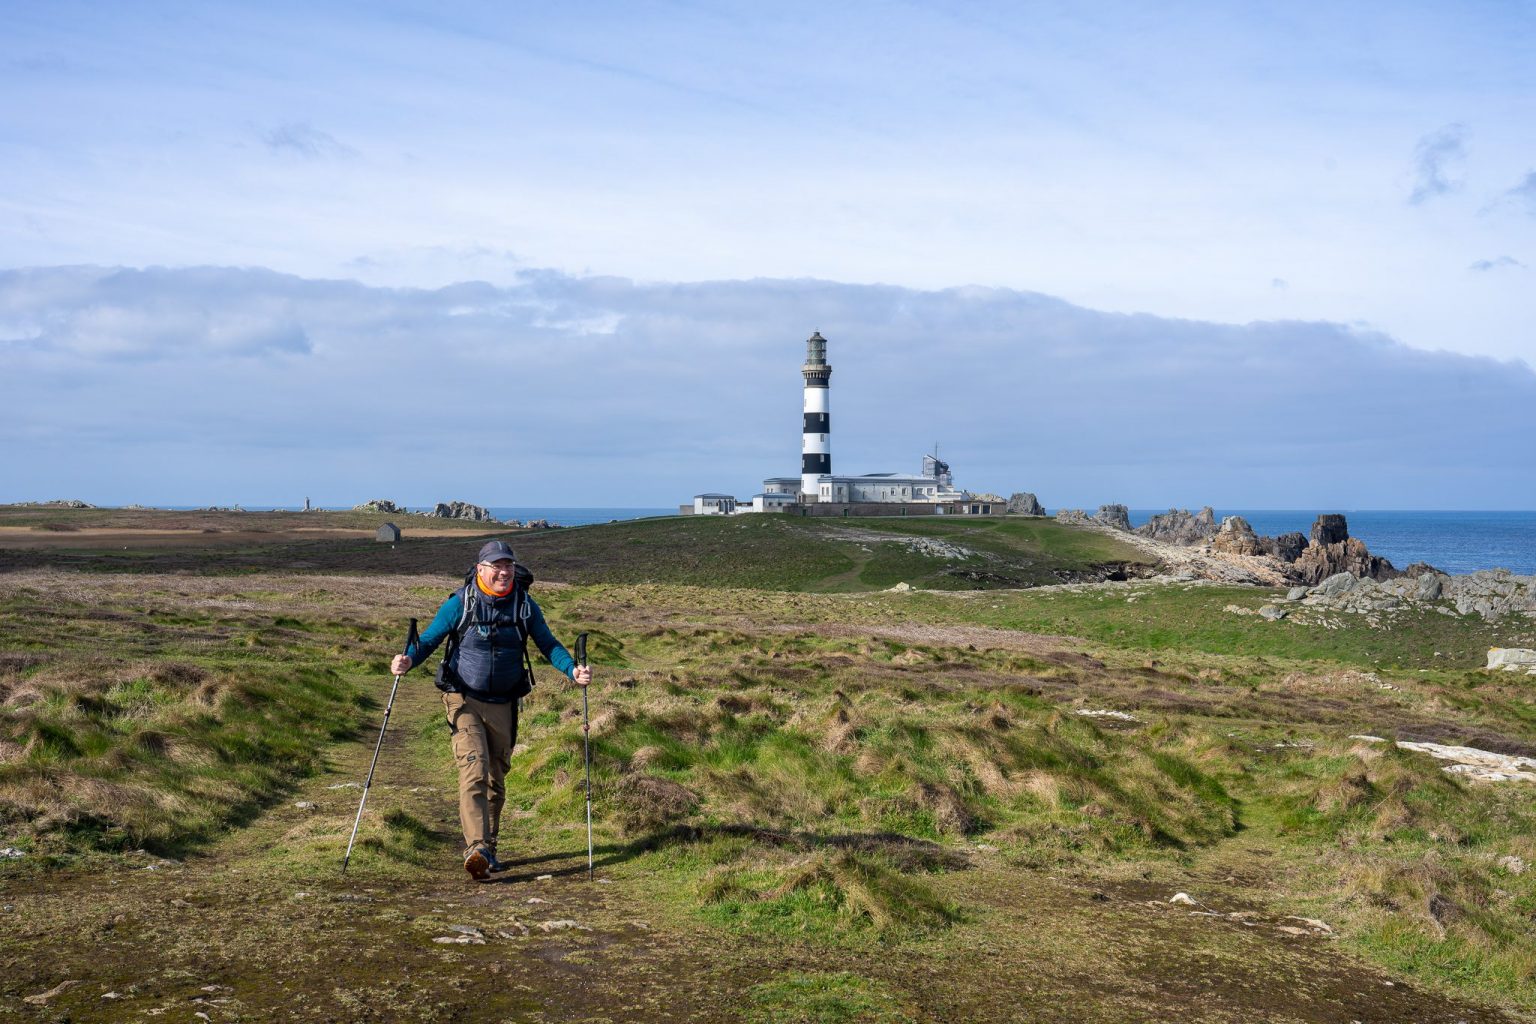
{"type": "Point", "coordinates": [466, 612]}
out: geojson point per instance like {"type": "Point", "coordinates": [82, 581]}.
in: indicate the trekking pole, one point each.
{"type": "Point", "coordinates": [586, 746]}
{"type": "Point", "coordinates": [410, 642]}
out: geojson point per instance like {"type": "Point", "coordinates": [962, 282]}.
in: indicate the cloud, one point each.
{"type": "Point", "coordinates": [1435, 158]}
{"type": "Point", "coordinates": [1279, 283]}
{"type": "Point", "coordinates": [308, 142]}
{"type": "Point", "coordinates": [231, 384]}
{"type": "Point", "coordinates": [1524, 194]}
{"type": "Point", "coordinates": [1483, 266]}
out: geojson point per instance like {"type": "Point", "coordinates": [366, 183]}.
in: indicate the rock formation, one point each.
{"type": "Point", "coordinates": [1178, 526]}
{"type": "Point", "coordinates": [1023, 503]}
{"type": "Point", "coordinates": [1116, 516]}
{"type": "Point", "coordinates": [379, 505]}
{"type": "Point", "coordinates": [1072, 516]}
{"type": "Point", "coordinates": [1330, 529]}
{"type": "Point", "coordinates": [1333, 551]}
{"type": "Point", "coordinates": [1287, 547]}
{"type": "Point", "coordinates": [1490, 593]}
{"type": "Point", "coordinates": [459, 510]}
{"type": "Point", "coordinates": [1236, 537]}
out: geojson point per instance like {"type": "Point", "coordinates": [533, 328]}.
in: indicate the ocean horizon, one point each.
{"type": "Point", "coordinates": [1453, 541]}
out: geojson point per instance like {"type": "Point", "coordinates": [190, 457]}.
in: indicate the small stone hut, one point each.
{"type": "Point", "coordinates": [389, 533]}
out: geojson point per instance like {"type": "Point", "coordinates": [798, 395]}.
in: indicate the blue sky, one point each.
{"type": "Point", "coordinates": [1262, 255]}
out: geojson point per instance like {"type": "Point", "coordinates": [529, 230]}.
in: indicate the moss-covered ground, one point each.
{"type": "Point", "coordinates": [807, 806]}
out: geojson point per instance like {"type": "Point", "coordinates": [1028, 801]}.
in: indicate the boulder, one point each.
{"type": "Point", "coordinates": [1023, 503]}
{"type": "Point", "coordinates": [1178, 526]}
{"type": "Point", "coordinates": [459, 510]}
{"type": "Point", "coordinates": [1236, 537]}
{"type": "Point", "coordinates": [1072, 516]}
{"type": "Point", "coordinates": [1429, 587]}
{"type": "Point", "coordinates": [1333, 586]}
{"type": "Point", "coordinates": [379, 505]}
{"type": "Point", "coordinates": [1116, 516]}
{"type": "Point", "coordinates": [1512, 659]}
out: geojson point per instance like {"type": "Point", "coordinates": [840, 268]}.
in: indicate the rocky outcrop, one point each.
{"type": "Point", "coordinates": [1073, 516]}
{"type": "Point", "coordinates": [1490, 593]}
{"type": "Point", "coordinates": [1236, 537]}
{"type": "Point", "coordinates": [459, 510]}
{"type": "Point", "coordinates": [1320, 561]}
{"type": "Point", "coordinates": [66, 503]}
{"type": "Point", "coordinates": [1023, 503]}
{"type": "Point", "coordinates": [1116, 517]}
{"type": "Point", "coordinates": [1178, 526]}
{"type": "Point", "coordinates": [536, 524]}
{"type": "Point", "coordinates": [1330, 528]}
{"type": "Point", "coordinates": [379, 505]}
{"type": "Point", "coordinates": [1287, 547]}
{"type": "Point", "coordinates": [1330, 551]}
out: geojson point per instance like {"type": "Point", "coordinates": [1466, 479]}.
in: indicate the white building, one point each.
{"type": "Point", "coordinates": [771, 502]}
{"type": "Point", "coordinates": [714, 505]}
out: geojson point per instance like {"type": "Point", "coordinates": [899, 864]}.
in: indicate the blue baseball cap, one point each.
{"type": "Point", "coordinates": [495, 551]}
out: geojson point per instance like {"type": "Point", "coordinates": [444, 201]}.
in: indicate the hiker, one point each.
{"type": "Point", "coordinates": [485, 671]}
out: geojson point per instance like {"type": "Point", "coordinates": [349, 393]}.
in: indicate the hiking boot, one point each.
{"type": "Point", "coordinates": [478, 863]}
{"type": "Point", "coordinates": [496, 866]}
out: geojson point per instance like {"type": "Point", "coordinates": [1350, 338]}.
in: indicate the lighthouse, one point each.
{"type": "Point", "coordinates": [816, 439]}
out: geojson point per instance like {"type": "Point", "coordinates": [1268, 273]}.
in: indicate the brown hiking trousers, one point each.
{"type": "Point", "coordinates": [483, 737]}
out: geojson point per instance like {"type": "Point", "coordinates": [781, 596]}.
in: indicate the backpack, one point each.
{"type": "Point", "coordinates": [522, 582]}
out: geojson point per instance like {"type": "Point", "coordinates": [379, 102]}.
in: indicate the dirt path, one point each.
{"type": "Point", "coordinates": [262, 926]}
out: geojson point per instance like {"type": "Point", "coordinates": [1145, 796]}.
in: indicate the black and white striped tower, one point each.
{"type": "Point", "coordinates": [816, 441]}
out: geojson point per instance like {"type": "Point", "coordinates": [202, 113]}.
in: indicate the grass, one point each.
{"type": "Point", "coordinates": [761, 552]}
{"type": "Point", "coordinates": [779, 552]}
{"type": "Point", "coordinates": [164, 742]}
{"type": "Point", "coordinates": [825, 998]}
{"type": "Point", "coordinates": [839, 775]}
{"type": "Point", "coordinates": [1416, 865]}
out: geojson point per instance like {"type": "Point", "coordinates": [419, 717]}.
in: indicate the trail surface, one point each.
{"type": "Point", "coordinates": [250, 930]}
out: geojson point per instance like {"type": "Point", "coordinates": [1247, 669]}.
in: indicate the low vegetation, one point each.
{"type": "Point", "coordinates": [783, 763]}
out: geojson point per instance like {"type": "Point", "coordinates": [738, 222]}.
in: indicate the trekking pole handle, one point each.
{"type": "Point", "coordinates": [581, 649]}
{"type": "Point", "coordinates": [412, 638]}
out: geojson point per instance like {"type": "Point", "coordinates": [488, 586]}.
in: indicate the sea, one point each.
{"type": "Point", "coordinates": [1453, 542]}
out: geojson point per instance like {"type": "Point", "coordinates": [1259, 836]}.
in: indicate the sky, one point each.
{"type": "Point", "coordinates": [1257, 255]}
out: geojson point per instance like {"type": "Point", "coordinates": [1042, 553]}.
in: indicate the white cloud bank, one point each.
{"type": "Point", "coordinates": [229, 385]}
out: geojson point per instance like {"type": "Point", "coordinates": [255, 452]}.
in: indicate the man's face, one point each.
{"type": "Point", "coordinates": [496, 576]}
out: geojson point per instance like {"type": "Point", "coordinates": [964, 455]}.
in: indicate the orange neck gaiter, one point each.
{"type": "Point", "coordinates": [488, 591]}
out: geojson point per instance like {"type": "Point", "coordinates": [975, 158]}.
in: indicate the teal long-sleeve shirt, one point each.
{"type": "Point", "coordinates": [447, 618]}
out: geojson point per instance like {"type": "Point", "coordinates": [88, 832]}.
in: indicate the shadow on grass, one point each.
{"type": "Point", "coordinates": [906, 853]}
